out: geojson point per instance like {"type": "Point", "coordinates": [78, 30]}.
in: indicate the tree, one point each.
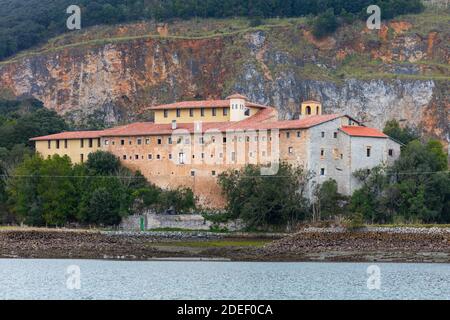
{"type": "Point", "coordinates": [404, 135]}
{"type": "Point", "coordinates": [263, 201]}
{"type": "Point", "coordinates": [328, 201]}
{"type": "Point", "coordinates": [325, 24]}
{"type": "Point", "coordinates": [102, 163]}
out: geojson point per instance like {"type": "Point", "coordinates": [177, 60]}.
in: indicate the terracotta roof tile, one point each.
{"type": "Point", "coordinates": [237, 96]}
{"type": "Point", "coordinates": [358, 131]}
{"type": "Point", "coordinates": [70, 135]}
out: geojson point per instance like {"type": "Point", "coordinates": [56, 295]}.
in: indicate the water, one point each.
{"type": "Point", "coordinates": [47, 279]}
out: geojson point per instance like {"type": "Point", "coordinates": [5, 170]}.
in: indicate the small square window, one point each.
{"type": "Point", "coordinates": [159, 141]}
{"type": "Point", "coordinates": [158, 157]}
{"type": "Point", "coordinates": [224, 140]}
{"type": "Point", "coordinates": [147, 141]}
{"type": "Point", "coordinates": [213, 173]}
{"type": "Point", "coordinates": [124, 157]}
{"type": "Point", "coordinates": [335, 135]}
{"type": "Point", "coordinates": [323, 134]}
{"type": "Point", "coordinates": [299, 134]}
{"type": "Point", "coordinates": [192, 173]}
{"type": "Point", "coordinates": [149, 157]}
{"type": "Point", "coordinates": [136, 157]}
{"type": "Point", "coordinates": [291, 150]}
{"type": "Point", "coordinates": [122, 142]}
{"type": "Point", "coordinates": [170, 156]}
{"type": "Point", "coordinates": [391, 152]}
{"type": "Point", "coordinates": [322, 171]}
{"type": "Point", "coordinates": [139, 141]}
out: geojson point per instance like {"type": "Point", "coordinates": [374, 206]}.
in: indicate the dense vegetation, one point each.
{"type": "Point", "coordinates": [25, 23]}
{"type": "Point", "coordinates": [99, 192]}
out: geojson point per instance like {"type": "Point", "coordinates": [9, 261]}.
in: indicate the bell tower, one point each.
{"type": "Point", "coordinates": [310, 108]}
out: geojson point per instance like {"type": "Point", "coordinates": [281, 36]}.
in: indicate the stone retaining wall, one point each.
{"type": "Point", "coordinates": [183, 221]}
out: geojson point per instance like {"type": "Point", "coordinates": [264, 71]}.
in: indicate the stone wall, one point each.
{"type": "Point", "coordinates": [183, 221]}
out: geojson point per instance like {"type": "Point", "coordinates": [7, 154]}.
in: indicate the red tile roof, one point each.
{"type": "Point", "coordinates": [237, 96]}
{"type": "Point", "coordinates": [262, 120]}
{"type": "Point", "coordinates": [70, 135]}
{"type": "Point", "coordinates": [358, 131]}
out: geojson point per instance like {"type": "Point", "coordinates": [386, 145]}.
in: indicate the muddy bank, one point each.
{"type": "Point", "coordinates": [307, 245]}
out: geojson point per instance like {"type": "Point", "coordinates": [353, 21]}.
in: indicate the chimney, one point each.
{"type": "Point", "coordinates": [174, 124]}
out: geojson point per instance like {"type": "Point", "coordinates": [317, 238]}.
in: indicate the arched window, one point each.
{"type": "Point", "coordinates": [308, 110]}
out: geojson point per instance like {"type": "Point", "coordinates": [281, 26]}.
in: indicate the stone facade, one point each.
{"type": "Point", "coordinates": [173, 152]}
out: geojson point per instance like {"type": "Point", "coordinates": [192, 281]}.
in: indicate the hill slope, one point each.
{"type": "Point", "coordinates": [112, 73]}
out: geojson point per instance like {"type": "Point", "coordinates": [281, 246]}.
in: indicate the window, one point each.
{"type": "Point", "coordinates": [288, 135]}
{"type": "Point", "coordinates": [187, 141]}
{"type": "Point", "coordinates": [299, 134]}
{"type": "Point", "coordinates": [317, 110]}
{"type": "Point", "coordinates": [192, 173]}
{"type": "Point", "coordinates": [65, 144]}
{"type": "Point", "coordinates": [322, 171]}
{"type": "Point", "coordinates": [122, 142]}
{"type": "Point", "coordinates": [166, 113]}
{"type": "Point", "coordinates": [49, 143]}
{"type": "Point", "coordinates": [159, 141]}
{"type": "Point", "coordinates": [178, 113]}
{"type": "Point", "coordinates": [247, 112]}
{"type": "Point", "coordinates": [291, 150]}
{"type": "Point", "coordinates": [106, 142]}
{"type": "Point", "coordinates": [322, 152]}
{"type": "Point", "coordinates": [170, 156]}
{"type": "Point", "coordinates": [130, 142]}
{"type": "Point", "coordinates": [149, 156]}
{"type": "Point", "coordinates": [98, 143]}
{"type": "Point", "coordinates": [213, 173]}
{"type": "Point", "coordinates": [202, 112]}
{"type": "Point", "coordinates": [158, 157]}
{"type": "Point", "coordinates": [81, 143]}
{"type": "Point", "coordinates": [139, 141]}
{"type": "Point", "coordinates": [368, 152]}
{"type": "Point", "coordinates": [225, 111]}
{"type": "Point", "coordinates": [124, 157]}
{"type": "Point", "coordinates": [90, 142]}
{"type": "Point", "coordinates": [214, 112]}
{"type": "Point", "coordinates": [147, 141]}
{"type": "Point", "coordinates": [201, 140]}
{"type": "Point", "coordinates": [181, 158]}
{"type": "Point", "coordinates": [224, 139]}
{"type": "Point", "coordinates": [335, 135]}
{"type": "Point", "coordinates": [81, 158]}
{"type": "Point", "coordinates": [308, 110]}
{"type": "Point", "coordinates": [57, 144]}
{"type": "Point", "coordinates": [169, 140]}
{"type": "Point", "coordinates": [322, 134]}
{"type": "Point", "coordinates": [136, 157]}
{"type": "Point", "coordinates": [391, 152]}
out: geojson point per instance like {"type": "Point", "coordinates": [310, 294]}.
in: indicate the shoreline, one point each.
{"type": "Point", "coordinates": [408, 245]}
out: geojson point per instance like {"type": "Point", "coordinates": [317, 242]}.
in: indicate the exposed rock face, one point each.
{"type": "Point", "coordinates": [372, 76]}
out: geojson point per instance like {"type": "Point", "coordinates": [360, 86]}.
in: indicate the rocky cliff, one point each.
{"type": "Point", "coordinates": [401, 71]}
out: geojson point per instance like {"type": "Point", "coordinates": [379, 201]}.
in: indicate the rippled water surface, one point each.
{"type": "Point", "coordinates": [50, 279]}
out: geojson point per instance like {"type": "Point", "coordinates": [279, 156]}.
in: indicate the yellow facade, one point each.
{"type": "Point", "coordinates": [189, 115]}
{"type": "Point", "coordinates": [77, 149]}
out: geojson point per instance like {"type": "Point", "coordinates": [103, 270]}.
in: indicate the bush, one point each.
{"type": "Point", "coordinates": [325, 24]}
{"type": "Point", "coordinates": [263, 201]}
